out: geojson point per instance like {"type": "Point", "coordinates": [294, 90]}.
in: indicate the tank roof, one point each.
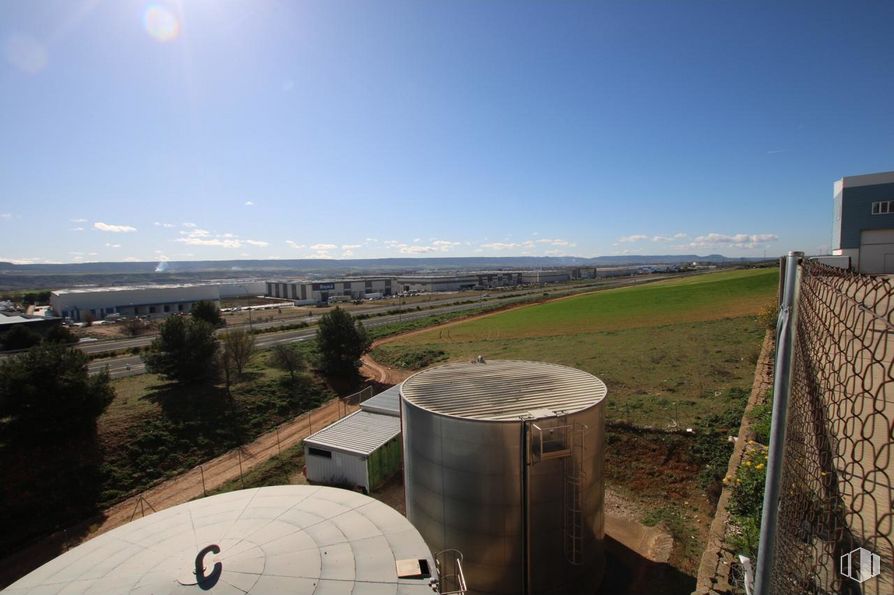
{"type": "Point", "coordinates": [278, 539]}
{"type": "Point", "coordinates": [503, 390]}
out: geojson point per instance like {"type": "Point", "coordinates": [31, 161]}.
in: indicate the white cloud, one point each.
{"type": "Point", "coordinates": [189, 225]}
{"type": "Point", "coordinates": [739, 240]}
{"type": "Point", "coordinates": [26, 53]}
{"type": "Point", "coordinates": [293, 244]}
{"type": "Point", "coordinates": [323, 247]}
{"type": "Point", "coordinates": [218, 242]}
{"type": "Point", "coordinates": [563, 243]}
{"type": "Point", "coordinates": [249, 203]}
{"type": "Point", "coordinates": [350, 246]}
{"type": "Point", "coordinates": [410, 249]}
{"type": "Point", "coordinates": [77, 229]}
{"type": "Point", "coordinates": [113, 228]}
{"type": "Point", "coordinates": [633, 238]}
{"type": "Point", "coordinates": [202, 237]}
{"type": "Point", "coordinates": [165, 225]}
{"type": "Point", "coordinates": [416, 248]}
{"type": "Point", "coordinates": [131, 259]}
{"type": "Point", "coordinates": [78, 220]}
{"type": "Point", "coordinates": [108, 245]}
{"type": "Point", "coordinates": [502, 246]}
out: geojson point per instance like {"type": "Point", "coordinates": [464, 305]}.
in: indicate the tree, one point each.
{"type": "Point", "coordinates": [288, 359]}
{"type": "Point", "coordinates": [133, 326]}
{"type": "Point", "coordinates": [341, 341]}
{"type": "Point", "coordinates": [60, 334]}
{"type": "Point", "coordinates": [184, 351]}
{"type": "Point", "coordinates": [238, 345]}
{"type": "Point", "coordinates": [20, 337]}
{"type": "Point", "coordinates": [47, 393]}
{"type": "Point", "coordinates": [207, 311]}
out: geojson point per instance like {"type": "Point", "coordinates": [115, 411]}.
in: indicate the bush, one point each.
{"type": "Point", "coordinates": [761, 419]}
{"type": "Point", "coordinates": [748, 484]}
{"type": "Point", "coordinates": [768, 315]}
{"type": "Point", "coordinates": [20, 337]}
{"type": "Point", "coordinates": [60, 334]}
{"type": "Point", "coordinates": [207, 311]}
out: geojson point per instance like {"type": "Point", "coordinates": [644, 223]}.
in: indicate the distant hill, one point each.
{"type": "Point", "coordinates": [391, 264]}
{"type": "Point", "coordinates": [33, 276]}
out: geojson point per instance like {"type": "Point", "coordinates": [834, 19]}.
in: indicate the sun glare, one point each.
{"type": "Point", "coordinates": [161, 23]}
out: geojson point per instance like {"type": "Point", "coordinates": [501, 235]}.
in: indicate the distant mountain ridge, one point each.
{"type": "Point", "coordinates": [358, 264]}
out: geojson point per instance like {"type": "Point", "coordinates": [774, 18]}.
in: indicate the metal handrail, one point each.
{"type": "Point", "coordinates": [456, 581]}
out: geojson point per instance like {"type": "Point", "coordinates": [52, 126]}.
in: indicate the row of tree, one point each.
{"type": "Point", "coordinates": [187, 350]}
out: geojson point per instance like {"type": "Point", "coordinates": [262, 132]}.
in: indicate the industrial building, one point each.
{"type": "Point", "coordinates": [278, 539]}
{"type": "Point", "coordinates": [503, 460]}
{"type": "Point", "coordinates": [151, 301]}
{"type": "Point", "coordinates": [362, 450]}
{"type": "Point", "coordinates": [863, 229]}
{"type": "Point", "coordinates": [316, 292]}
{"type": "Point", "coordinates": [544, 277]}
{"type": "Point", "coordinates": [482, 280]}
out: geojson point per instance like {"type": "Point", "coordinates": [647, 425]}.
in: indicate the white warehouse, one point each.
{"type": "Point", "coordinates": [151, 300]}
{"type": "Point", "coordinates": [314, 292]}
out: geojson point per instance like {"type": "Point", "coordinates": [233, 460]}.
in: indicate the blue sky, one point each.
{"type": "Point", "coordinates": [210, 129]}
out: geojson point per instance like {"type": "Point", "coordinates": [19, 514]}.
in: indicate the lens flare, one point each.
{"type": "Point", "coordinates": [161, 23]}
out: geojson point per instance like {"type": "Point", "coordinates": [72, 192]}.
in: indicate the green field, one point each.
{"type": "Point", "coordinates": [668, 351]}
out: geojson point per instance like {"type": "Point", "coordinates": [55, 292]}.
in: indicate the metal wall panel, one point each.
{"type": "Point", "coordinates": [464, 488]}
{"type": "Point", "coordinates": [341, 468]}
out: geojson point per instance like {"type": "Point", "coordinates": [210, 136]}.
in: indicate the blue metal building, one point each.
{"type": "Point", "coordinates": [864, 221]}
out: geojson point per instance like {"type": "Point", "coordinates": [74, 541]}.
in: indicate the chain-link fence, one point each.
{"type": "Point", "coordinates": [233, 465]}
{"type": "Point", "coordinates": [835, 494]}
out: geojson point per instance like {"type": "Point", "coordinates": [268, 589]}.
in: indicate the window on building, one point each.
{"type": "Point", "coordinates": [152, 309]}
{"type": "Point", "coordinates": [883, 207]}
{"type": "Point", "coordinates": [167, 308]}
{"type": "Point", "coordinates": [319, 452]}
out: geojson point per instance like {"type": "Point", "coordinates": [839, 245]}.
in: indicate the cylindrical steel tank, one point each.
{"type": "Point", "coordinates": [503, 461]}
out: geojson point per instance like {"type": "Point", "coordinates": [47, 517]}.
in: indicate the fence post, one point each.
{"type": "Point", "coordinates": [786, 328]}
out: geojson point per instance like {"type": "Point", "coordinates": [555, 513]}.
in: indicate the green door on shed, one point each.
{"type": "Point", "coordinates": [384, 462]}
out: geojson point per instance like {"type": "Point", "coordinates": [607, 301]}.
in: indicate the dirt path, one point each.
{"type": "Point", "coordinates": [185, 487]}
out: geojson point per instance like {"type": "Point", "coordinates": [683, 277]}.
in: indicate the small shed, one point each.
{"type": "Point", "coordinates": [386, 402]}
{"type": "Point", "coordinates": [361, 450]}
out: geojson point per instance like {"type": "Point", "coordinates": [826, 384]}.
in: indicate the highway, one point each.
{"type": "Point", "coordinates": [131, 365]}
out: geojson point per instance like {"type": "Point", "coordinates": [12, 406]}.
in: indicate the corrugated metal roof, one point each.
{"type": "Point", "coordinates": [360, 433]}
{"type": "Point", "coordinates": [503, 389]}
{"type": "Point", "coordinates": [386, 402]}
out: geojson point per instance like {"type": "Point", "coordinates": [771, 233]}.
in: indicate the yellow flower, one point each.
{"type": "Point", "coordinates": [759, 466]}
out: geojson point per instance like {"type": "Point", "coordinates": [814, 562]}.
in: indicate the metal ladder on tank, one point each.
{"type": "Point", "coordinates": [575, 478]}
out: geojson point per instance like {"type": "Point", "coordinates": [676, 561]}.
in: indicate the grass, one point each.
{"type": "Point", "coordinates": [277, 470]}
{"type": "Point", "coordinates": [155, 429]}
{"type": "Point", "coordinates": [692, 299]}
{"type": "Point", "coordinates": [655, 376]}
{"type": "Point", "coordinates": [667, 368]}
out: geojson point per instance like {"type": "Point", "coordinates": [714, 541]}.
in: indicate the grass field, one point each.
{"type": "Point", "coordinates": [674, 354]}
{"type": "Point", "coordinates": [668, 351]}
